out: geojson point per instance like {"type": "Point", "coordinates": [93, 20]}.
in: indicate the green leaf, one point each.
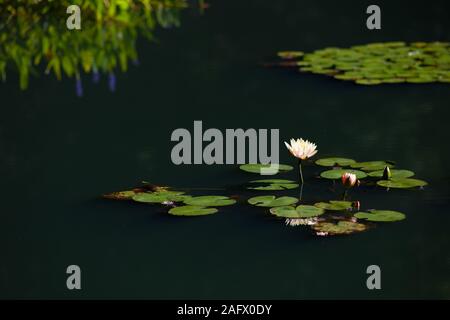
{"type": "Point", "coordinates": [160, 197]}
{"type": "Point", "coordinates": [302, 211]}
{"type": "Point", "coordinates": [381, 215]}
{"type": "Point", "coordinates": [209, 201]}
{"type": "Point", "coordinates": [337, 173]}
{"type": "Point", "coordinates": [272, 201]}
{"type": "Point", "coordinates": [402, 183]}
{"type": "Point", "coordinates": [192, 211]}
{"type": "Point", "coordinates": [256, 168]}
{"type": "Point", "coordinates": [371, 165]}
{"type": "Point", "coordinates": [331, 162]}
{"type": "Point", "coordinates": [396, 174]}
{"type": "Point", "coordinates": [334, 205]}
{"type": "Point", "coordinates": [274, 184]}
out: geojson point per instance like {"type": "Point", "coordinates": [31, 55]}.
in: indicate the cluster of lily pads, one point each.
{"type": "Point", "coordinates": [377, 63]}
{"type": "Point", "coordinates": [326, 218]}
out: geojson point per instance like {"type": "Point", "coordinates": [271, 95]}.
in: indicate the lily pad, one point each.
{"type": "Point", "coordinates": [192, 211]}
{"type": "Point", "coordinates": [331, 162]}
{"type": "Point", "coordinates": [378, 63]}
{"type": "Point", "coordinates": [396, 174]}
{"type": "Point", "coordinates": [302, 211]}
{"type": "Point", "coordinates": [209, 201]}
{"type": "Point", "coordinates": [402, 183]}
{"type": "Point", "coordinates": [340, 228]}
{"type": "Point", "coordinates": [334, 205]}
{"type": "Point", "coordinates": [257, 167]}
{"type": "Point", "coordinates": [371, 165]}
{"type": "Point", "coordinates": [120, 195]}
{"type": "Point", "coordinates": [337, 173]}
{"type": "Point", "coordinates": [272, 201]}
{"type": "Point", "coordinates": [381, 215]}
{"type": "Point", "coordinates": [160, 197]}
{"type": "Point", "coordinates": [274, 184]}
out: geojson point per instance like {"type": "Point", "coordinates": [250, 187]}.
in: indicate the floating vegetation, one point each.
{"type": "Point", "coordinates": [380, 215]}
{"type": "Point", "coordinates": [268, 169]}
{"type": "Point", "coordinates": [160, 197]}
{"type": "Point", "coordinates": [337, 173]}
{"type": "Point", "coordinates": [372, 165]}
{"type": "Point", "coordinates": [402, 183]}
{"type": "Point", "coordinates": [378, 63]}
{"type": "Point", "coordinates": [332, 162]}
{"type": "Point", "coordinates": [334, 205]}
{"type": "Point", "coordinates": [325, 218]}
{"type": "Point", "coordinates": [274, 184]}
{"type": "Point", "coordinates": [209, 201]}
{"type": "Point", "coordinates": [394, 174]}
{"type": "Point", "coordinates": [192, 211]}
{"type": "Point", "coordinates": [272, 201]}
{"type": "Point", "coordinates": [339, 228]}
{"type": "Point", "coordinates": [302, 211]}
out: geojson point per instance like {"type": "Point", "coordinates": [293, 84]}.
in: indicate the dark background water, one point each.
{"type": "Point", "coordinates": [59, 153]}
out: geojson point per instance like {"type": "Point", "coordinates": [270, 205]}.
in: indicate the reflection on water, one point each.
{"type": "Point", "coordinates": [34, 36]}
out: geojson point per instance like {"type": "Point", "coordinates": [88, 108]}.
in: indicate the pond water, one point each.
{"type": "Point", "coordinates": [59, 153]}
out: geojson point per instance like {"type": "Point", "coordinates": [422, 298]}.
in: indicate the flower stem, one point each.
{"type": "Point", "coordinates": [300, 170]}
{"type": "Point", "coordinates": [345, 194]}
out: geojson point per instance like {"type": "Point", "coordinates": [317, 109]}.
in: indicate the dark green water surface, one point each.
{"type": "Point", "coordinates": [58, 153]}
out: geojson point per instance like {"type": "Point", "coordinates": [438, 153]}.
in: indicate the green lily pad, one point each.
{"type": "Point", "coordinates": [209, 201]}
{"type": "Point", "coordinates": [192, 211]}
{"type": "Point", "coordinates": [274, 184]}
{"type": "Point", "coordinates": [272, 201]}
{"type": "Point", "coordinates": [160, 197]}
{"type": "Point", "coordinates": [396, 174]}
{"type": "Point", "coordinates": [340, 228]}
{"type": "Point", "coordinates": [331, 162]}
{"type": "Point", "coordinates": [275, 187]}
{"type": "Point", "coordinates": [302, 211]}
{"type": "Point", "coordinates": [371, 165]}
{"type": "Point", "coordinates": [256, 168]}
{"type": "Point", "coordinates": [334, 205]}
{"type": "Point", "coordinates": [378, 63]}
{"type": "Point", "coordinates": [402, 183]}
{"type": "Point", "coordinates": [381, 215]}
{"type": "Point", "coordinates": [337, 173]}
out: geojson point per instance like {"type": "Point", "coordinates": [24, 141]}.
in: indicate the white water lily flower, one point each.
{"type": "Point", "coordinates": [294, 222]}
{"type": "Point", "coordinates": [302, 149]}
